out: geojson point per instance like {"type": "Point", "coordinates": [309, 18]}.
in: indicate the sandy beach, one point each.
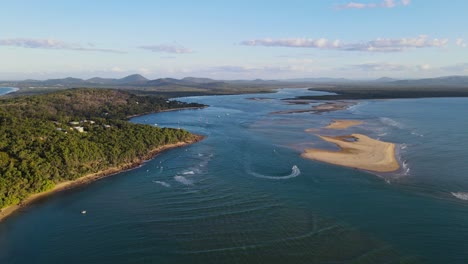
{"type": "Point", "coordinates": [5, 212]}
{"type": "Point", "coordinates": [343, 124]}
{"type": "Point", "coordinates": [357, 151]}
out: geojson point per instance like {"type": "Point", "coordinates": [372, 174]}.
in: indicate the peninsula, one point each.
{"type": "Point", "coordinates": [56, 141]}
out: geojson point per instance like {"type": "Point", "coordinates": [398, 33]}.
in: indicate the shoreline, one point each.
{"type": "Point", "coordinates": [89, 178]}
{"type": "Point", "coordinates": [168, 110]}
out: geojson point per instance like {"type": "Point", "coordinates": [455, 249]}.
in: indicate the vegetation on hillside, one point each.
{"type": "Point", "coordinates": [48, 139]}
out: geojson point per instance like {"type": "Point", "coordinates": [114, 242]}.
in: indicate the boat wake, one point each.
{"type": "Point", "coordinates": [294, 173]}
{"type": "Point", "coordinates": [461, 195]}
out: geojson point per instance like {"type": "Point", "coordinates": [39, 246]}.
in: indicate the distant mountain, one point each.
{"type": "Point", "coordinates": [132, 79]}
{"type": "Point", "coordinates": [198, 80]}
{"type": "Point", "coordinates": [321, 80]}
{"type": "Point", "coordinates": [137, 80]}
{"type": "Point", "coordinates": [64, 81]}
{"type": "Point", "coordinates": [100, 80]}
{"type": "Point", "coordinates": [385, 79]}
{"type": "Point", "coordinates": [167, 81]}
{"type": "Point", "coordinates": [455, 80]}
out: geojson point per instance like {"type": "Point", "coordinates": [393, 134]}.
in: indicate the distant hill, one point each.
{"type": "Point", "coordinates": [198, 80]}
{"type": "Point", "coordinates": [191, 83]}
{"type": "Point", "coordinates": [385, 79]}
{"type": "Point", "coordinates": [100, 80]}
{"type": "Point", "coordinates": [64, 81]}
{"type": "Point", "coordinates": [440, 81]}
{"type": "Point", "coordinates": [132, 79]}
{"type": "Point", "coordinates": [320, 80]}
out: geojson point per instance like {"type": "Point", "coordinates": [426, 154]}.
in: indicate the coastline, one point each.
{"type": "Point", "coordinates": [168, 110]}
{"type": "Point", "coordinates": [7, 211]}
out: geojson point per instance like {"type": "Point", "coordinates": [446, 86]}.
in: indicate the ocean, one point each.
{"type": "Point", "coordinates": [244, 194]}
{"type": "Point", "coordinates": [5, 90]}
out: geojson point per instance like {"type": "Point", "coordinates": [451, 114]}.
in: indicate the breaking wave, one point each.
{"type": "Point", "coordinates": [165, 184]}
{"type": "Point", "coordinates": [391, 122]}
{"type": "Point", "coordinates": [183, 180]}
{"type": "Point", "coordinates": [461, 195]}
{"type": "Point", "coordinates": [294, 173]}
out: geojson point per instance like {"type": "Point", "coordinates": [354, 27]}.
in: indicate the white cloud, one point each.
{"type": "Point", "coordinates": [382, 4]}
{"type": "Point", "coordinates": [424, 67]}
{"type": "Point", "coordinates": [375, 66]}
{"type": "Point", "coordinates": [320, 43]}
{"type": "Point", "coordinates": [117, 69]}
{"type": "Point", "coordinates": [460, 68]}
{"type": "Point", "coordinates": [51, 44]}
{"type": "Point", "coordinates": [461, 43]}
{"type": "Point", "coordinates": [405, 2]}
{"type": "Point", "coordinates": [377, 45]}
{"type": "Point", "coordinates": [144, 71]}
{"type": "Point", "coordinates": [176, 49]}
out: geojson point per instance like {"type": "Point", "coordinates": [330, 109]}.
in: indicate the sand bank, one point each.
{"type": "Point", "coordinates": [5, 212]}
{"type": "Point", "coordinates": [343, 124]}
{"type": "Point", "coordinates": [318, 109]}
{"type": "Point", "coordinates": [357, 151]}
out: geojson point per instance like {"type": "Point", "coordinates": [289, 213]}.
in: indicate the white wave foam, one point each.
{"type": "Point", "coordinates": [165, 184]}
{"type": "Point", "coordinates": [403, 146]}
{"type": "Point", "coordinates": [461, 195]}
{"type": "Point", "coordinates": [183, 180]}
{"type": "Point", "coordinates": [417, 134]}
{"type": "Point", "coordinates": [294, 173]}
{"type": "Point", "coordinates": [406, 169]}
{"type": "Point", "coordinates": [391, 122]}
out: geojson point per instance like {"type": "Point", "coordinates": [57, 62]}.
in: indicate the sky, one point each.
{"type": "Point", "coordinates": [271, 39]}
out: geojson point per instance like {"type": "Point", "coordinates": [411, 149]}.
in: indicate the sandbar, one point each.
{"type": "Point", "coordinates": [357, 151]}
{"type": "Point", "coordinates": [343, 124]}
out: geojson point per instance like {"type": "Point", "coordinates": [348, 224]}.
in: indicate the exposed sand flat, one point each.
{"type": "Point", "coordinates": [332, 106]}
{"type": "Point", "coordinates": [357, 151]}
{"type": "Point", "coordinates": [312, 130]}
{"type": "Point", "coordinates": [343, 124]}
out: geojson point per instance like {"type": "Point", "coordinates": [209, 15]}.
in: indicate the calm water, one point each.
{"type": "Point", "coordinates": [236, 197]}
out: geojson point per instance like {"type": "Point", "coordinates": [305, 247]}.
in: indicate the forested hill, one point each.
{"type": "Point", "coordinates": [52, 138]}
{"type": "Point", "coordinates": [87, 103]}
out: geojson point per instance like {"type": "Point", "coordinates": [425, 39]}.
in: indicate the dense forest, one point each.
{"type": "Point", "coordinates": [48, 139]}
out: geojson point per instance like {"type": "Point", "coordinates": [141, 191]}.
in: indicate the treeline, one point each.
{"type": "Point", "coordinates": [48, 139]}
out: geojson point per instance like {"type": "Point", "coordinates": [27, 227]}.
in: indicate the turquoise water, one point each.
{"type": "Point", "coordinates": [5, 90]}
{"type": "Point", "coordinates": [244, 195]}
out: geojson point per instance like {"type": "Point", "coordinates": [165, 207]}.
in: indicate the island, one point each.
{"type": "Point", "coordinates": [55, 141]}
{"type": "Point", "coordinates": [357, 151]}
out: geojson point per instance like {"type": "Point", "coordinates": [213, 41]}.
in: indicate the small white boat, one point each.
{"type": "Point", "coordinates": [83, 212]}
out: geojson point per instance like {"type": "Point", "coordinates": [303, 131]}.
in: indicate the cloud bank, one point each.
{"type": "Point", "coordinates": [377, 45]}
{"type": "Point", "coordinates": [175, 49]}
{"type": "Point", "coordinates": [383, 4]}
{"type": "Point", "coordinates": [51, 44]}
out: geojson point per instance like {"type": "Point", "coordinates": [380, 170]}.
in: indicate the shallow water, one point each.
{"type": "Point", "coordinates": [244, 195]}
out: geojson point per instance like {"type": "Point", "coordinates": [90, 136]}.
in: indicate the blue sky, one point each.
{"type": "Point", "coordinates": [273, 39]}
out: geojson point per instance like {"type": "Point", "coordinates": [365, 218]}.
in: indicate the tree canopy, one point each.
{"type": "Point", "coordinates": [52, 138]}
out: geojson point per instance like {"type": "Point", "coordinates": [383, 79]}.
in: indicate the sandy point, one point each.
{"type": "Point", "coordinates": [357, 151]}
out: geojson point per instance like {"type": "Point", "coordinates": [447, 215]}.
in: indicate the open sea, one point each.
{"type": "Point", "coordinates": [244, 194]}
{"type": "Point", "coordinates": [5, 90]}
